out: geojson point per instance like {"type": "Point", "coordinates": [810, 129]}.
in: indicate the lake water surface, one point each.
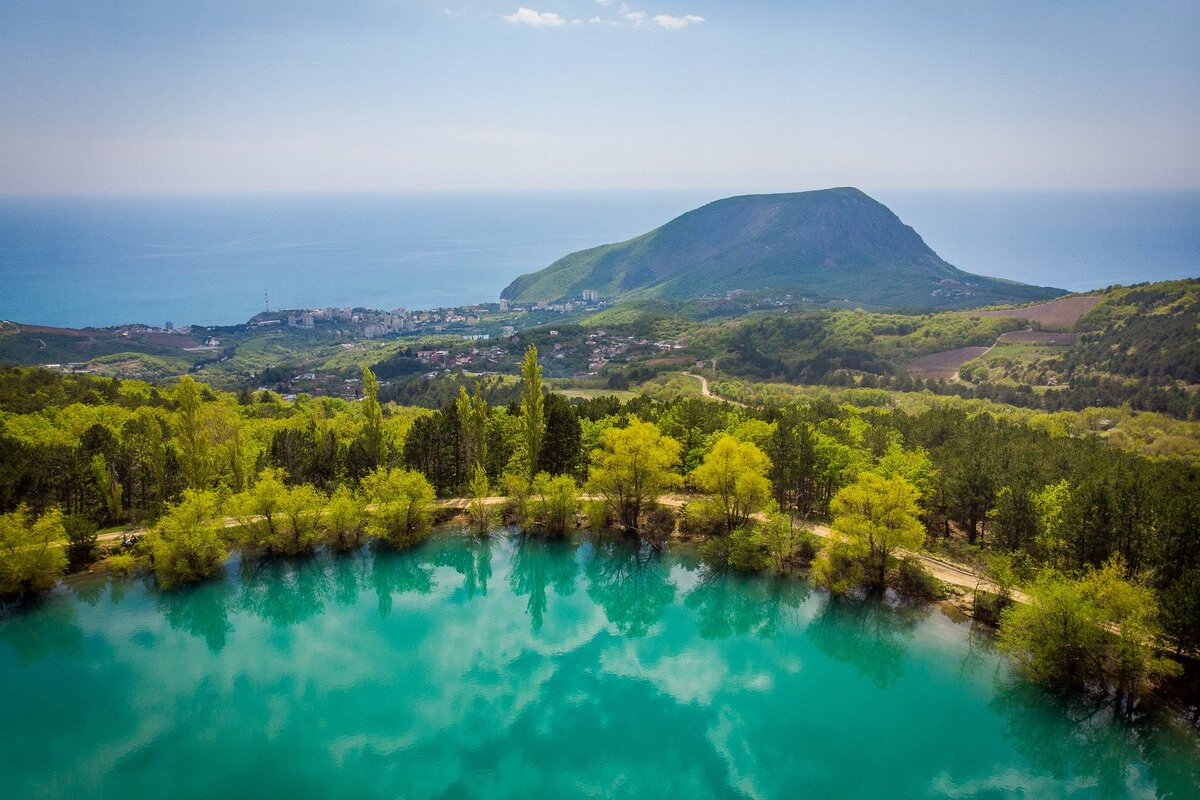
{"type": "Point", "coordinates": [515, 668]}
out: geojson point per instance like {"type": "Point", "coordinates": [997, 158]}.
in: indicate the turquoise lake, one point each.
{"type": "Point", "coordinates": [517, 668]}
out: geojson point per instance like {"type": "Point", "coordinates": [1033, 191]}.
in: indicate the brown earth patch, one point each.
{"type": "Point", "coordinates": [1061, 313]}
{"type": "Point", "coordinates": [1038, 337]}
{"type": "Point", "coordinates": [944, 364]}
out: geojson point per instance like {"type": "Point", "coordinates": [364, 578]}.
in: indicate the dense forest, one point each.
{"type": "Point", "coordinates": [1021, 503]}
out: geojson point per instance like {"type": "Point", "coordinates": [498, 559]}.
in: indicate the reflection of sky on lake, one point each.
{"type": "Point", "coordinates": [510, 668]}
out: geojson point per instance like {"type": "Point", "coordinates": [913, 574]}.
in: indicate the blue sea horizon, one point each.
{"type": "Point", "coordinates": [99, 261]}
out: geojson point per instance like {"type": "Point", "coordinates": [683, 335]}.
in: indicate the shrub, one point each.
{"type": "Point", "coordinates": [82, 546]}
{"type": "Point", "coordinates": [186, 545]}
{"type": "Point", "coordinates": [912, 580]}
{"type": "Point", "coordinates": [554, 505]}
{"type": "Point", "coordinates": [403, 506]}
{"type": "Point", "coordinates": [838, 568]}
{"type": "Point", "coordinates": [30, 559]}
{"type": "Point", "coordinates": [123, 564]}
{"type": "Point", "coordinates": [747, 550]}
{"type": "Point", "coordinates": [658, 523]}
{"type": "Point", "coordinates": [702, 518]}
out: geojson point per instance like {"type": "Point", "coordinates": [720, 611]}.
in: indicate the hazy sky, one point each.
{"type": "Point", "coordinates": [734, 95]}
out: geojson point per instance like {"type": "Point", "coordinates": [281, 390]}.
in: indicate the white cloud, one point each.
{"type": "Point", "coordinates": [635, 18]}
{"type": "Point", "coordinates": [527, 16]}
{"type": "Point", "coordinates": [672, 23]}
{"type": "Point", "coordinates": [604, 2]}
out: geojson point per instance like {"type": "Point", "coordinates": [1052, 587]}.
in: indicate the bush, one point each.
{"type": "Point", "coordinates": [554, 505]}
{"type": "Point", "coordinates": [600, 516]}
{"type": "Point", "coordinates": [912, 580]}
{"type": "Point", "coordinates": [186, 545]}
{"type": "Point", "coordinates": [702, 519]}
{"type": "Point", "coordinates": [747, 550]}
{"type": "Point", "coordinates": [124, 564]}
{"type": "Point", "coordinates": [82, 546]}
{"type": "Point", "coordinates": [515, 510]}
{"type": "Point", "coordinates": [838, 569]}
{"type": "Point", "coordinates": [715, 552]}
{"type": "Point", "coordinates": [30, 559]}
{"type": "Point", "coordinates": [1097, 634]}
{"type": "Point", "coordinates": [403, 503]}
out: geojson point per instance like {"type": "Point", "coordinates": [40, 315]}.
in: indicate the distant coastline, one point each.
{"type": "Point", "coordinates": [100, 262]}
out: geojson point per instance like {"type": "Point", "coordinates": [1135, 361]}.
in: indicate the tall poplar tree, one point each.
{"type": "Point", "coordinates": [533, 409]}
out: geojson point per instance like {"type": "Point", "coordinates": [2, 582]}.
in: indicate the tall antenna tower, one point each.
{"type": "Point", "coordinates": [267, 301]}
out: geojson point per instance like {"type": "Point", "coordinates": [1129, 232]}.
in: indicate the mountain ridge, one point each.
{"type": "Point", "coordinates": [833, 246]}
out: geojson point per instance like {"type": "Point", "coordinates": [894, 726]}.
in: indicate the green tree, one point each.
{"type": "Point", "coordinates": [402, 505]}
{"type": "Point", "coordinates": [342, 525]}
{"type": "Point", "coordinates": [478, 509]}
{"type": "Point", "coordinates": [734, 475]}
{"type": "Point", "coordinates": [562, 444]}
{"type": "Point", "coordinates": [109, 487]}
{"type": "Point", "coordinates": [186, 545]}
{"type": "Point", "coordinates": [193, 445]}
{"type": "Point", "coordinates": [555, 502]}
{"type": "Point", "coordinates": [259, 511]}
{"type": "Point", "coordinates": [1097, 633]}
{"type": "Point", "coordinates": [632, 468]}
{"type": "Point", "coordinates": [473, 418]}
{"type": "Point", "coordinates": [533, 410]}
{"type": "Point", "coordinates": [31, 558]}
{"type": "Point", "coordinates": [372, 431]}
{"type": "Point", "coordinates": [786, 542]}
{"type": "Point", "coordinates": [878, 516]}
{"type": "Point", "coordinates": [83, 546]}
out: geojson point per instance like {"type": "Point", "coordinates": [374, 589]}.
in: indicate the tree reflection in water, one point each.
{"type": "Point", "coordinates": [728, 604]}
{"type": "Point", "coordinates": [536, 565]}
{"type": "Point", "coordinates": [879, 643]}
{"type": "Point", "coordinates": [202, 611]}
{"type": "Point", "coordinates": [395, 573]}
{"type": "Point", "coordinates": [631, 582]}
{"type": "Point", "coordinates": [284, 591]}
{"type": "Point", "coordinates": [470, 557]}
{"type": "Point", "coordinates": [52, 630]}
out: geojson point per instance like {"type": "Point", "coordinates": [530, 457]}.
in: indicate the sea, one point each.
{"type": "Point", "coordinates": [216, 260]}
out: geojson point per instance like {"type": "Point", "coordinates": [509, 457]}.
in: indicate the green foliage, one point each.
{"type": "Point", "coordinates": [632, 468]}
{"type": "Point", "coordinates": [878, 516]}
{"type": "Point", "coordinates": [478, 510]}
{"type": "Point", "coordinates": [82, 546]}
{"type": "Point", "coordinates": [401, 504]}
{"type": "Point", "coordinates": [372, 441]}
{"type": "Point", "coordinates": [839, 568]}
{"type": "Point", "coordinates": [278, 519]}
{"type": "Point", "coordinates": [912, 580]}
{"type": "Point", "coordinates": [124, 564]}
{"type": "Point", "coordinates": [343, 523]}
{"type": "Point", "coordinates": [31, 559]}
{"type": "Point", "coordinates": [533, 416]}
{"type": "Point", "coordinates": [555, 501]}
{"type": "Point", "coordinates": [747, 551]}
{"type": "Point", "coordinates": [1097, 633]}
{"type": "Point", "coordinates": [186, 546]}
{"type": "Point", "coordinates": [734, 475]}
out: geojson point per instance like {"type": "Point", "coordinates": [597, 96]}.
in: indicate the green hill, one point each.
{"type": "Point", "coordinates": [834, 246]}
